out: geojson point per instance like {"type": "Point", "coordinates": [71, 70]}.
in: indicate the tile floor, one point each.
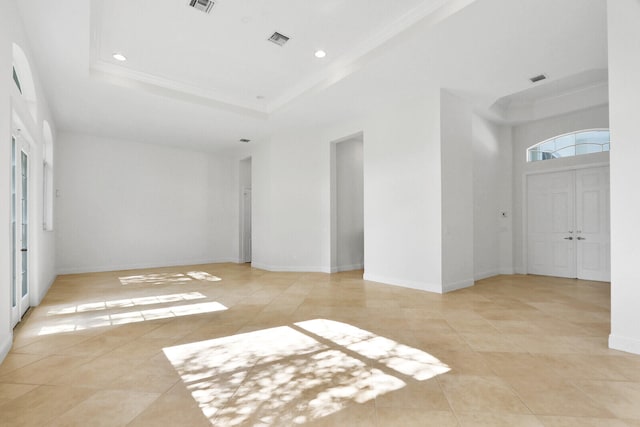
{"type": "Point", "coordinates": [228, 345]}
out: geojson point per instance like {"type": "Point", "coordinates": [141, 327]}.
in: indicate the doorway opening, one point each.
{"type": "Point", "coordinates": [245, 210]}
{"type": "Point", "coordinates": [347, 204]}
{"type": "Point", "coordinates": [568, 224]}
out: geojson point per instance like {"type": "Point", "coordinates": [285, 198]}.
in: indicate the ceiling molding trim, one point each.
{"type": "Point", "coordinates": [126, 77]}
{"type": "Point", "coordinates": [179, 95]}
{"type": "Point", "coordinates": [427, 14]}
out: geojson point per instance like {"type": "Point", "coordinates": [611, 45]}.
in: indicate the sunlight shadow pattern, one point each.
{"type": "Point", "coordinates": [284, 376]}
{"type": "Point", "coordinates": [399, 357]}
{"type": "Point", "coordinates": [98, 321]}
{"type": "Point", "coordinates": [204, 276]}
{"type": "Point", "coordinates": [124, 303]}
{"type": "Point", "coordinates": [167, 278]}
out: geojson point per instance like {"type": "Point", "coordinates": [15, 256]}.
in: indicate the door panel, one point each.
{"type": "Point", "coordinates": [550, 214]}
{"type": "Point", "coordinates": [592, 224]}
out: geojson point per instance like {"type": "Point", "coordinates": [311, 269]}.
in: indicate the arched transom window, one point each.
{"type": "Point", "coordinates": [570, 145]}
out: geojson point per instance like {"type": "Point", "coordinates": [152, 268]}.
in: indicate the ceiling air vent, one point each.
{"type": "Point", "coordinates": [202, 5]}
{"type": "Point", "coordinates": [538, 78]}
{"type": "Point", "coordinates": [279, 39]}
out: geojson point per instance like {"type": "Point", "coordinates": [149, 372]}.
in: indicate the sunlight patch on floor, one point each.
{"type": "Point", "coordinates": [204, 276]}
{"type": "Point", "coordinates": [124, 303]}
{"type": "Point", "coordinates": [399, 357]}
{"type": "Point", "coordinates": [286, 375]}
{"type": "Point", "coordinates": [167, 278]}
{"type": "Point", "coordinates": [98, 321]}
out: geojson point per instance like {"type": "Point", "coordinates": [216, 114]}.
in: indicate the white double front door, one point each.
{"type": "Point", "coordinates": [568, 224]}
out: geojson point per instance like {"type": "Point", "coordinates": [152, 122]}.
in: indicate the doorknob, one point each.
{"type": "Point", "coordinates": [581, 238]}
{"type": "Point", "coordinates": [569, 238]}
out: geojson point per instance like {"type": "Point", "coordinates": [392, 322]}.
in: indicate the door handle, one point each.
{"type": "Point", "coordinates": [569, 238]}
{"type": "Point", "coordinates": [23, 250]}
{"type": "Point", "coordinates": [581, 238]}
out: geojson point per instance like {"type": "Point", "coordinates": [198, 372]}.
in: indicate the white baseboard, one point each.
{"type": "Point", "coordinates": [630, 345]}
{"type": "Point", "coordinates": [485, 275]}
{"type": "Point", "coordinates": [290, 269]}
{"type": "Point", "coordinates": [492, 273]}
{"type": "Point", "coordinates": [347, 268]}
{"type": "Point", "coordinates": [422, 286]}
{"type": "Point", "coordinates": [450, 287]}
{"type": "Point", "coordinates": [124, 267]}
{"type": "Point", "coordinates": [5, 345]}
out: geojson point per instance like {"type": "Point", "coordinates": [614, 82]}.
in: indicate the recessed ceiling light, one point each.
{"type": "Point", "coordinates": [119, 57]}
{"type": "Point", "coordinates": [320, 53]}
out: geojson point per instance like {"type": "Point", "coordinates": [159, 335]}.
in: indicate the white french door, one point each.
{"type": "Point", "coordinates": [568, 224]}
{"type": "Point", "coordinates": [19, 244]}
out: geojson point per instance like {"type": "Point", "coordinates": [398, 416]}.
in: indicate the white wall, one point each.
{"type": "Point", "coordinates": [41, 252]}
{"type": "Point", "coordinates": [403, 195]}
{"type": "Point", "coordinates": [125, 205]}
{"type": "Point", "coordinates": [290, 188]}
{"type": "Point", "coordinates": [349, 205]}
{"type": "Point", "coordinates": [492, 195]}
{"type": "Point", "coordinates": [526, 135]}
{"type": "Point", "coordinates": [457, 192]}
{"type": "Point", "coordinates": [624, 69]}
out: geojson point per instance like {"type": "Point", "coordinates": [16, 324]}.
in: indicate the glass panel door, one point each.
{"type": "Point", "coordinates": [14, 228]}
{"type": "Point", "coordinates": [24, 243]}
{"type": "Point", "coordinates": [19, 244]}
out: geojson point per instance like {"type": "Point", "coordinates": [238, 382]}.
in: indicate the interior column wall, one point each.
{"type": "Point", "coordinates": [457, 193]}
{"type": "Point", "coordinates": [624, 68]}
{"type": "Point", "coordinates": [403, 195]}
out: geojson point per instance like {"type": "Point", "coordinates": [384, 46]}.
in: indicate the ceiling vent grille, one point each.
{"type": "Point", "coordinates": [202, 5]}
{"type": "Point", "coordinates": [279, 39]}
{"type": "Point", "coordinates": [538, 78]}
